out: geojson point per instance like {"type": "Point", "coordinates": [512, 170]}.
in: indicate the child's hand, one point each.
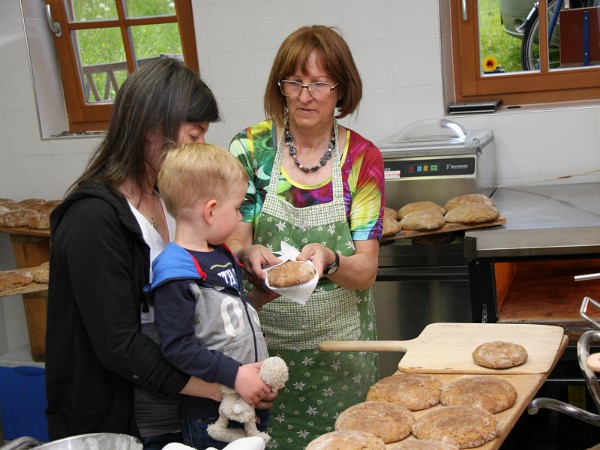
{"type": "Point", "coordinates": [249, 385]}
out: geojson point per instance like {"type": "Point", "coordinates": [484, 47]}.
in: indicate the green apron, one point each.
{"type": "Point", "coordinates": [321, 384]}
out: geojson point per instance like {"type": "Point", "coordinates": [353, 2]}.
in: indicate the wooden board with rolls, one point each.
{"type": "Point", "coordinates": [29, 288]}
{"type": "Point", "coordinates": [525, 385]}
{"type": "Point", "coordinates": [424, 218]}
{"type": "Point", "coordinates": [447, 228]}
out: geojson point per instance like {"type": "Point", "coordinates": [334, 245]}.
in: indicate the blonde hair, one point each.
{"type": "Point", "coordinates": [193, 172]}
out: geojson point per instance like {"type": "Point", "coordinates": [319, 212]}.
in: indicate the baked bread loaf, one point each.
{"type": "Point", "coordinates": [491, 393]}
{"type": "Point", "coordinates": [414, 391]}
{"type": "Point", "coordinates": [419, 206]}
{"type": "Point", "coordinates": [12, 279]}
{"type": "Point", "coordinates": [467, 198]}
{"type": "Point", "coordinates": [290, 273]}
{"type": "Point", "coordinates": [472, 213]}
{"type": "Point", "coordinates": [423, 220]}
{"type": "Point", "coordinates": [41, 273]}
{"type": "Point", "coordinates": [462, 426]}
{"type": "Point", "coordinates": [390, 213]}
{"type": "Point", "coordinates": [8, 203]}
{"type": "Point", "coordinates": [390, 422]}
{"type": "Point", "coordinates": [414, 444]}
{"type": "Point", "coordinates": [17, 218]}
{"type": "Point", "coordinates": [31, 203]}
{"type": "Point", "coordinates": [40, 221]}
{"type": "Point", "coordinates": [390, 226]}
{"type": "Point", "coordinates": [499, 355]}
{"type": "Point", "coordinates": [48, 206]}
{"type": "Point", "coordinates": [347, 440]}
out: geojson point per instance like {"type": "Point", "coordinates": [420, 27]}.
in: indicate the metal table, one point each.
{"type": "Point", "coordinates": [541, 221]}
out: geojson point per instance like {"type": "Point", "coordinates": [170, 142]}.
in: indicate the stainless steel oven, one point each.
{"type": "Point", "coordinates": [424, 281]}
{"type": "Point", "coordinates": [418, 284]}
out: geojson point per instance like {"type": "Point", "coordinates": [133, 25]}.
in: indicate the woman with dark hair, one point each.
{"type": "Point", "coordinates": [318, 186]}
{"type": "Point", "coordinates": [104, 369]}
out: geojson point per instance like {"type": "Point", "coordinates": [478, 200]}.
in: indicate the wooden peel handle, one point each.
{"type": "Point", "coordinates": [363, 346]}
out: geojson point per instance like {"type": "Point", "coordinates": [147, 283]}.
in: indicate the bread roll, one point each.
{"type": "Point", "coordinates": [419, 206]}
{"type": "Point", "coordinates": [40, 221]}
{"type": "Point", "coordinates": [346, 440]}
{"type": "Point", "coordinates": [12, 279]}
{"type": "Point", "coordinates": [499, 355]}
{"type": "Point", "coordinates": [415, 391]}
{"type": "Point", "coordinates": [41, 273]}
{"type": "Point", "coordinates": [494, 394]}
{"type": "Point", "coordinates": [390, 422]}
{"type": "Point", "coordinates": [8, 203]}
{"type": "Point", "coordinates": [462, 426]}
{"type": "Point", "coordinates": [472, 213]}
{"type": "Point", "coordinates": [423, 220]}
{"type": "Point", "coordinates": [390, 226]}
{"type": "Point", "coordinates": [31, 203]}
{"type": "Point", "coordinates": [291, 273]}
{"type": "Point", "coordinates": [415, 444]}
{"type": "Point", "coordinates": [390, 213]}
{"type": "Point", "coordinates": [467, 198]}
{"type": "Point", "coordinates": [17, 218]}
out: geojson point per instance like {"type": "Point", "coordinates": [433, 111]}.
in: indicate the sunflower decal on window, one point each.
{"type": "Point", "coordinates": [490, 64]}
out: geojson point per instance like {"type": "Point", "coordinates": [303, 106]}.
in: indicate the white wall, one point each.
{"type": "Point", "coordinates": [396, 44]}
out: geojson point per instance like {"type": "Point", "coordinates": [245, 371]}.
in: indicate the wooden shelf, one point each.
{"type": "Point", "coordinates": [26, 231]}
{"type": "Point", "coordinates": [544, 292]}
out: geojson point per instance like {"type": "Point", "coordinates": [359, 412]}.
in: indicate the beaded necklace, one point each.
{"type": "Point", "coordinates": [289, 140]}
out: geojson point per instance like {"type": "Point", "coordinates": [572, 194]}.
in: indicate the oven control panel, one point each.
{"type": "Point", "coordinates": [428, 167]}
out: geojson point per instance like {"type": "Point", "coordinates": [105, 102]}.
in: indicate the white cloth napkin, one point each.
{"type": "Point", "coordinates": [301, 292]}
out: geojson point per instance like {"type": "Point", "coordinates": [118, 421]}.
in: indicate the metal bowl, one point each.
{"type": "Point", "coordinates": [94, 441]}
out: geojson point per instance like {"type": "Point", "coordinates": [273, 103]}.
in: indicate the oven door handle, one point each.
{"type": "Point", "coordinates": [432, 273]}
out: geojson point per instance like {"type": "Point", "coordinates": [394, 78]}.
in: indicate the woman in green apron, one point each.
{"type": "Point", "coordinates": [317, 186]}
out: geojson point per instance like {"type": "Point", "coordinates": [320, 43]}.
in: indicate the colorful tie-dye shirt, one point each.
{"type": "Point", "coordinates": [362, 177]}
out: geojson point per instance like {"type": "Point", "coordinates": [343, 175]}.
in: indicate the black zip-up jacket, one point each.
{"type": "Point", "coordinates": [95, 353]}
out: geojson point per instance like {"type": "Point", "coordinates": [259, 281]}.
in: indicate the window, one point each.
{"type": "Point", "coordinates": [99, 42]}
{"type": "Point", "coordinates": [545, 82]}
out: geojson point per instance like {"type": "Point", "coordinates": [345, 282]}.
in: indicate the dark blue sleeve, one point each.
{"type": "Point", "coordinates": [174, 307]}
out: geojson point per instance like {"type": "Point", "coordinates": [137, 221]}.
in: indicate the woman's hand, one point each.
{"type": "Point", "coordinates": [358, 271]}
{"type": "Point", "coordinates": [320, 256]}
{"type": "Point", "coordinates": [255, 258]}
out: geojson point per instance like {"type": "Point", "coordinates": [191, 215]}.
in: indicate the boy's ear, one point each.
{"type": "Point", "coordinates": [209, 210]}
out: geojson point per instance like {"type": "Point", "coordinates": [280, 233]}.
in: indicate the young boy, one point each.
{"type": "Point", "coordinates": [207, 326]}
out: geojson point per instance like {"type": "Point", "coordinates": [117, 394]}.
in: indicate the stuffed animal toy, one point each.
{"type": "Point", "coordinates": [274, 372]}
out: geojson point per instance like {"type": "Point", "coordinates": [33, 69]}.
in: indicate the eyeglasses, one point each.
{"type": "Point", "coordinates": [319, 89]}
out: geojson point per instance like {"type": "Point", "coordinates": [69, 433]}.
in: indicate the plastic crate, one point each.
{"type": "Point", "coordinates": [23, 402]}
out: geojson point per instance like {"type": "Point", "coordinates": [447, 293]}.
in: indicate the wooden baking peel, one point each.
{"type": "Point", "coordinates": [448, 347]}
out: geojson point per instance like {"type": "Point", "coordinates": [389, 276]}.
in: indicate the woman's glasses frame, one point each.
{"type": "Point", "coordinates": [319, 90]}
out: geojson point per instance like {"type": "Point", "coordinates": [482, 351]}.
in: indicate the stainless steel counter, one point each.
{"type": "Point", "coordinates": [549, 220]}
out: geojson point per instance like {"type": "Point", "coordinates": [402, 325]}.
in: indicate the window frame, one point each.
{"type": "Point", "coordinates": [515, 88]}
{"type": "Point", "coordinates": [83, 116]}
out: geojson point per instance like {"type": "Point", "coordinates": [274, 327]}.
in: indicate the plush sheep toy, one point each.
{"type": "Point", "coordinates": [274, 372]}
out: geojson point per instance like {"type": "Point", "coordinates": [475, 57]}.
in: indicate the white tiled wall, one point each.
{"type": "Point", "coordinates": [397, 46]}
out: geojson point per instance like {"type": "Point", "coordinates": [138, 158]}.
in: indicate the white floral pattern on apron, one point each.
{"type": "Point", "coordinates": [321, 384]}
